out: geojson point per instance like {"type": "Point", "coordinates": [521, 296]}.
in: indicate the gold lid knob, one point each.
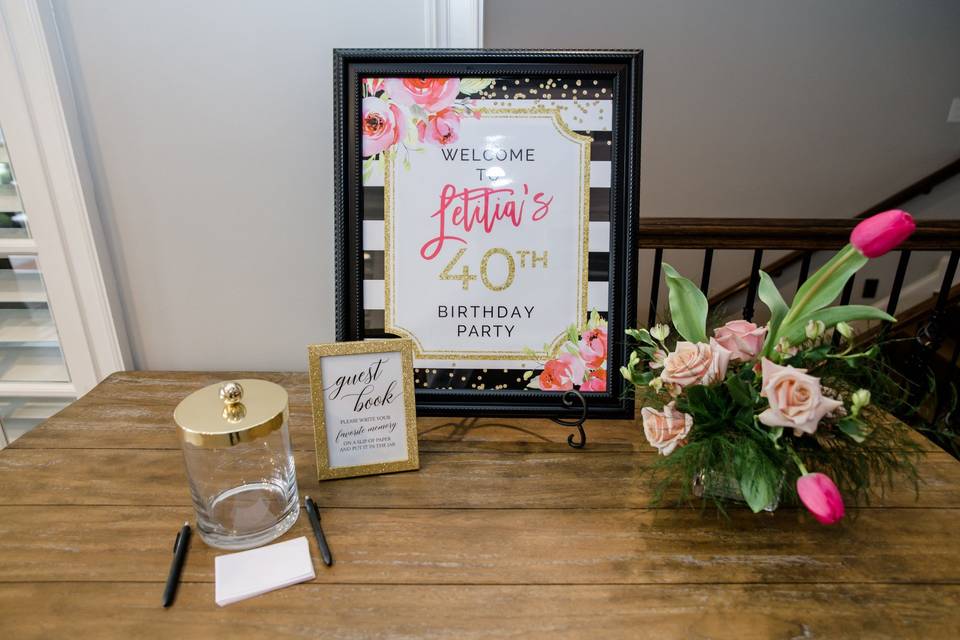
{"type": "Point", "coordinates": [215, 416]}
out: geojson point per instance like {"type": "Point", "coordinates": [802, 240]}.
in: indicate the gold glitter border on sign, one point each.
{"type": "Point", "coordinates": [316, 352]}
{"type": "Point", "coordinates": [389, 303]}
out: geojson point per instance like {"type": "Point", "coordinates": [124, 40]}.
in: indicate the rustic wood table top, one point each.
{"type": "Point", "coordinates": [504, 532]}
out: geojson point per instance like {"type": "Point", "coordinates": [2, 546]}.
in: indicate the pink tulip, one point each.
{"type": "Point", "coordinates": [821, 496]}
{"type": "Point", "coordinates": [880, 233]}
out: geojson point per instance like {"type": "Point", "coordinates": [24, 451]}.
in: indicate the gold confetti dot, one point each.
{"type": "Point", "coordinates": [564, 86]}
{"type": "Point", "coordinates": [451, 374]}
{"type": "Point", "coordinates": [484, 370]}
{"type": "Point", "coordinates": [603, 90]}
{"type": "Point", "coordinates": [595, 82]}
{"type": "Point", "coordinates": [526, 79]}
{"type": "Point", "coordinates": [464, 378]}
{"type": "Point", "coordinates": [505, 370]}
{"type": "Point", "coordinates": [516, 82]}
{"type": "Point", "coordinates": [578, 83]}
{"type": "Point", "coordinates": [563, 95]}
{"type": "Point", "coordinates": [609, 142]}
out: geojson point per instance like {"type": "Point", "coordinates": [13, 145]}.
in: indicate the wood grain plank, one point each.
{"type": "Point", "coordinates": [313, 610]}
{"type": "Point", "coordinates": [445, 480]}
{"type": "Point", "coordinates": [509, 546]}
{"type": "Point", "coordinates": [134, 410]}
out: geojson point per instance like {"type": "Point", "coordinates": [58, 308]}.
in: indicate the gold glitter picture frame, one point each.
{"type": "Point", "coordinates": [364, 428]}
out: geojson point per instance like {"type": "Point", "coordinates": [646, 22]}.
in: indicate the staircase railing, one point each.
{"type": "Point", "coordinates": [921, 187]}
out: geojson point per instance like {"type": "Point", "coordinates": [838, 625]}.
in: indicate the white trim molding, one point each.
{"type": "Point", "coordinates": [454, 24]}
{"type": "Point", "coordinates": [56, 188]}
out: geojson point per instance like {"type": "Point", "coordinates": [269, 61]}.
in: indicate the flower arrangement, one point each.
{"type": "Point", "coordinates": [773, 409]}
{"type": "Point", "coordinates": [579, 361]}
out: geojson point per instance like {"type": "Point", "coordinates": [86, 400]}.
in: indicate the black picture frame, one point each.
{"type": "Point", "coordinates": [622, 68]}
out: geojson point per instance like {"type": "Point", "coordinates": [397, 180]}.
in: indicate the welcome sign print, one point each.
{"type": "Point", "coordinates": [477, 218]}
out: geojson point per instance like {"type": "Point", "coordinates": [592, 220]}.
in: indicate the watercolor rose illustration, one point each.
{"type": "Point", "coordinates": [579, 362]}
{"type": "Point", "coordinates": [404, 115]}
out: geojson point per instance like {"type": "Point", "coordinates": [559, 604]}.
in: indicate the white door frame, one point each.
{"type": "Point", "coordinates": [453, 24]}
{"type": "Point", "coordinates": [41, 127]}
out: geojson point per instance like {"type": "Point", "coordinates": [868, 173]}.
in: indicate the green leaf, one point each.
{"type": "Point", "coordinates": [825, 285]}
{"type": "Point", "coordinates": [527, 375]}
{"type": "Point", "coordinates": [851, 427]}
{"type": "Point", "coordinates": [830, 316]}
{"type": "Point", "coordinates": [740, 392]}
{"type": "Point", "coordinates": [469, 86]}
{"type": "Point", "coordinates": [688, 306]}
{"type": "Point", "coordinates": [642, 335]}
{"type": "Point", "coordinates": [756, 490]}
{"type": "Point", "coordinates": [770, 296]}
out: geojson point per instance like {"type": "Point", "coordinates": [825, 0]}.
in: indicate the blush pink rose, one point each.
{"type": "Point", "coordinates": [695, 363]}
{"type": "Point", "coordinates": [441, 128]}
{"type": "Point", "coordinates": [561, 373]}
{"type": "Point", "coordinates": [433, 94]}
{"type": "Point", "coordinates": [593, 347]}
{"type": "Point", "coordinates": [383, 125]}
{"type": "Point", "coordinates": [665, 429]}
{"type": "Point", "coordinates": [796, 399]}
{"type": "Point", "coordinates": [743, 339]}
{"type": "Point", "coordinates": [596, 381]}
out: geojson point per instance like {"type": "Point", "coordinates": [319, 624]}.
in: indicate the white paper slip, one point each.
{"type": "Point", "coordinates": [250, 573]}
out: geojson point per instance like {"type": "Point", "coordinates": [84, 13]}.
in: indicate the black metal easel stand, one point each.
{"type": "Point", "coordinates": [571, 399]}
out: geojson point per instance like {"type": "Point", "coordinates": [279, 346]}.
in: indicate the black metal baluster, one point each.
{"type": "Point", "coordinates": [752, 287]}
{"type": "Point", "coordinates": [931, 334]}
{"type": "Point", "coordinates": [707, 266]}
{"type": "Point", "coordinates": [947, 282]}
{"type": "Point", "coordinates": [655, 286]}
{"type": "Point", "coordinates": [844, 299]}
{"type": "Point", "coordinates": [898, 282]}
{"type": "Point", "coordinates": [804, 269]}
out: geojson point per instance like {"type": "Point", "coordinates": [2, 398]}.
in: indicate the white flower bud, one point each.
{"type": "Point", "coordinates": [656, 384]}
{"type": "Point", "coordinates": [845, 330]}
{"type": "Point", "coordinates": [660, 331]}
{"type": "Point", "coordinates": [815, 329]}
{"type": "Point", "coordinates": [860, 397]}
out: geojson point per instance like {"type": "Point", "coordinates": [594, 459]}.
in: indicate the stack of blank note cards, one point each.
{"type": "Point", "coordinates": [250, 573]}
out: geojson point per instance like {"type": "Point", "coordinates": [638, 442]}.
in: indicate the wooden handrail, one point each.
{"type": "Point", "coordinates": [918, 188]}
{"type": "Point", "coordinates": [775, 233]}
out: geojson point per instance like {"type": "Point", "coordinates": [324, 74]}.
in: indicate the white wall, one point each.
{"type": "Point", "coordinates": [209, 130]}
{"type": "Point", "coordinates": [209, 126]}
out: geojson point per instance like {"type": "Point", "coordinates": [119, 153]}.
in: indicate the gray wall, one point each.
{"type": "Point", "coordinates": [800, 108]}
{"type": "Point", "coordinates": [209, 126]}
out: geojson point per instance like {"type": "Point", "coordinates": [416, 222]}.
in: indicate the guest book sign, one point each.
{"type": "Point", "coordinates": [363, 408]}
{"type": "Point", "coordinates": [487, 216]}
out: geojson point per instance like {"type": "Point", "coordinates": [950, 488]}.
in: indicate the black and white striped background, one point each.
{"type": "Point", "coordinates": [587, 107]}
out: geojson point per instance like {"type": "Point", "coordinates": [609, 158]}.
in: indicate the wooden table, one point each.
{"type": "Point", "coordinates": [504, 532]}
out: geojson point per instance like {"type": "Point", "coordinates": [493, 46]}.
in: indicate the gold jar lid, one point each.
{"type": "Point", "coordinates": [228, 413]}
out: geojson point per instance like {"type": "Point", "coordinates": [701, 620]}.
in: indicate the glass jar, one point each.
{"type": "Point", "coordinates": [236, 446]}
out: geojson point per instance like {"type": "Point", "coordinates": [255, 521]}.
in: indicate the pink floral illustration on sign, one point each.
{"type": "Point", "coordinates": [579, 362]}
{"type": "Point", "coordinates": [408, 114]}
{"type": "Point", "coordinates": [384, 125]}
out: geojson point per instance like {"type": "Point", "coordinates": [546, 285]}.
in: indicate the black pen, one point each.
{"type": "Point", "coordinates": [179, 554]}
{"type": "Point", "coordinates": [314, 516]}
